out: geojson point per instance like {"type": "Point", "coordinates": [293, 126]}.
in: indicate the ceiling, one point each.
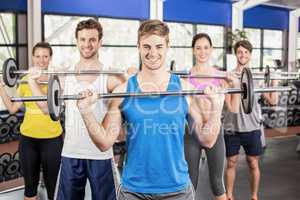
{"type": "Point", "coordinates": [292, 4]}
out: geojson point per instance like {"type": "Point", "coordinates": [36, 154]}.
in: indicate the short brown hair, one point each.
{"type": "Point", "coordinates": [43, 45]}
{"type": "Point", "coordinates": [89, 24]}
{"type": "Point", "coordinates": [243, 43]}
{"type": "Point", "coordinates": [154, 27]}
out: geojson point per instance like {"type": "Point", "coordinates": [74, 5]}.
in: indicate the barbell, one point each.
{"type": "Point", "coordinates": [266, 75]}
{"type": "Point", "coordinates": [11, 72]}
{"type": "Point", "coordinates": [55, 99]}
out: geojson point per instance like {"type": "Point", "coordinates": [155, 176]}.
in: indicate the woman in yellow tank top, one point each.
{"type": "Point", "coordinates": [40, 142]}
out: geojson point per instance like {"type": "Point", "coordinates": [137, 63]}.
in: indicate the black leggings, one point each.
{"type": "Point", "coordinates": [215, 160]}
{"type": "Point", "coordinates": [36, 153]}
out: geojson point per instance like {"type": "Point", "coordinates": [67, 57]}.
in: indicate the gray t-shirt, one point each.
{"type": "Point", "coordinates": [241, 122]}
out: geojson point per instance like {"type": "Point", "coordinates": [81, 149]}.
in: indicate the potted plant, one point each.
{"type": "Point", "coordinates": [232, 38]}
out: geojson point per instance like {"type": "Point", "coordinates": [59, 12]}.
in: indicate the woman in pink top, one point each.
{"type": "Point", "coordinates": [202, 50]}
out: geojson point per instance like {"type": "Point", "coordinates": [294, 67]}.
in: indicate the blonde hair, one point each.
{"type": "Point", "coordinates": [154, 27]}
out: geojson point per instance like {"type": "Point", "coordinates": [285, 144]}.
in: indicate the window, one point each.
{"type": "Point", "coordinates": [267, 46]}
{"type": "Point", "coordinates": [272, 46]}
{"type": "Point", "coordinates": [13, 41]}
{"type": "Point", "coordinates": [181, 36]}
{"type": "Point", "coordinates": [119, 43]}
{"type": "Point", "coordinates": [59, 31]}
{"type": "Point", "coordinates": [216, 33]}
{"type": "Point", "coordinates": [7, 36]}
{"type": "Point", "coordinates": [254, 37]}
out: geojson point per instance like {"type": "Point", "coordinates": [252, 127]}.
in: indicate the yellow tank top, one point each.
{"type": "Point", "coordinates": [36, 124]}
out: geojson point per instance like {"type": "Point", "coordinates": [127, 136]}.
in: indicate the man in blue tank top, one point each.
{"type": "Point", "coordinates": [155, 166]}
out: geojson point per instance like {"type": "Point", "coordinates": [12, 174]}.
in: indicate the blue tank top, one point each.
{"type": "Point", "coordinates": [155, 160]}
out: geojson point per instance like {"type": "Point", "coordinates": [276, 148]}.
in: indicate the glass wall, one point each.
{"type": "Point", "coordinates": [181, 36]}
{"type": "Point", "coordinates": [118, 44]}
{"type": "Point", "coordinates": [272, 46]}
{"type": "Point", "coordinates": [216, 34]}
{"type": "Point", "coordinates": [7, 36]}
{"type": "Point", "coordinates": [267, 46]}
{"type": "Point", "coordinates": [254, 36]}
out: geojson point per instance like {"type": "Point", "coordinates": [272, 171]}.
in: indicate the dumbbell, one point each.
{"type": "Point", "coordinates": [296, 117]}
{"type": "Point", "coordinates": [283, 100]}
{"type": "Point", "coordinates": [266, 119]}
{"type": "Point", "coordinates": [5, 159]}
{"type": "Point", "coordinates": [281, 120]}
{"type": "Point", "coordinates": [292, 97]}
{"type": "Point", "coordinates": [273, 118]}
{"type": "Point", "coordinates": [290, 117]}
{"type": "Point", "coordinates": [1, 173]}
{"type": "Point", "coordinates": [4, 132]}
{"type": "Point", "coordinates": [12, 169]}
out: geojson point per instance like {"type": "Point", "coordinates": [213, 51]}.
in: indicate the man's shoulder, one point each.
{"type": "Point", "coordinates": [121, 88]}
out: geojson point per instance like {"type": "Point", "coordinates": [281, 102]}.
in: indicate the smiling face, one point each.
{"type": "Point", "coordinates": [153, 51]}
{"type": "Point", "coordinates": [202, 50]}
{"type": "Point", "coordinates": [41, 57]}
{"type": "Point", "coordinates": [243, 56]}
{"type": "Point", "coordinates": [88, 43]}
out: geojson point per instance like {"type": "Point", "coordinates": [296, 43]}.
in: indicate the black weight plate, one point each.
{"type": "Point", "coordinates": [5, 158]}
{"type": "Point", "coordinates": [54, 101]}
{"type": "Point", "coordinates": [292, 98]}
{"type": "Point", "coordinates": [9, 78]}
{"type": "Point", "coordinates": [12, 168]}
{"type": "Point", "coordinates": [248, 90]}
{"type": "Point", "coordinates": [12, 120]}
{"type": "Point", "coordinates": [4, 131]}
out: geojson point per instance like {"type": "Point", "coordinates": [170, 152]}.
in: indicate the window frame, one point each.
{"type": "Point", "coordinates": [16, 43]}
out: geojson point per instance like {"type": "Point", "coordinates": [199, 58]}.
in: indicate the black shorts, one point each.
{"type": "Point", "coordinates": [250, 141]}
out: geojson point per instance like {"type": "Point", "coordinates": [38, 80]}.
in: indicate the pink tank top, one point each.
{"type": "Point", "coordinates": [202, 85]}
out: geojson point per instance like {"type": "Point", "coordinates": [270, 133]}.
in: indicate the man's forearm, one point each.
{"type": "Point", "coordinates": [235, 102]}
{"type": "Point", "coordinates": [96, 131]}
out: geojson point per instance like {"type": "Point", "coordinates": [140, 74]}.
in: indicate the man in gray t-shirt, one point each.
{"type": "Point", "coordinates": [244, 129]}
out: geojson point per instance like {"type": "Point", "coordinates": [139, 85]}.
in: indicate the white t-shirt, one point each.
{"type": "Point", "coordinates": [77, 143]}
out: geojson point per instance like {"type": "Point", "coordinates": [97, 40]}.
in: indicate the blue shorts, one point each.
{"type": "Point", "coordinates": [250, 141]}
{"type": "Point", "coordinates": [73, 176]}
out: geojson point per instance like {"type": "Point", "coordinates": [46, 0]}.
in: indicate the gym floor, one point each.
{"type": "Point", "coordinates": [280, 175]}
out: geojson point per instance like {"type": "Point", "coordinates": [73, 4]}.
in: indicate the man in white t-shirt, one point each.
{"type": "Point", "coordinates": [81, 159]}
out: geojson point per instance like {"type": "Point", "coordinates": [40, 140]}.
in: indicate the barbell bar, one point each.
{"type": "Point", "coordinates": [266, 79]}
{"type": "Point", "coordinates": [149, 94]}
{"type": "Point", "coordinates": [11, 72]}
{"type": "Point", "coordinates": [55, 99]}
{"type": "Point", "coordinates": [26, 82]}
{"type": "Point", "coordinates": [266, 76]}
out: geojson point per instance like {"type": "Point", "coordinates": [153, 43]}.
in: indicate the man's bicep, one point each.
{"type": "Point", "coordinates": [113, 118]}
{"type": "Point", "coordinates": [114, 81]}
